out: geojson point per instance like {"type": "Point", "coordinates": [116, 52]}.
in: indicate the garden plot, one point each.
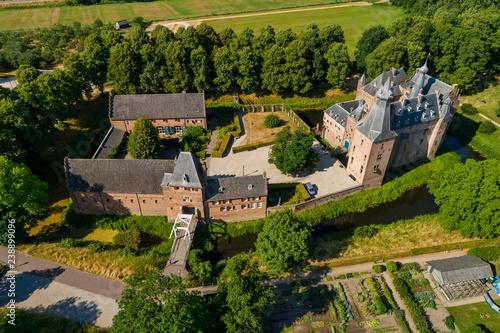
{"type": "Point", "coordinates": [328, 305]}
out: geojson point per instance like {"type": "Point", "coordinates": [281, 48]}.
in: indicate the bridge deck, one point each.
{"type": "Point", "coordinates": [180, 250]}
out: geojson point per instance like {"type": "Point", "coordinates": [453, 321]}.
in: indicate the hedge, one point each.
{"type": "Point", "coordinates": [253, 145]}
{"type": "Point", "coordinates": [226, 142]}
{"type": "Point", "coordinates": [400, 319]}
{"type": "Point", "coordinates": [487, 253]}
{"type": "Point", "coordinates": [341, 292]}
{"type": "Point", "coordinates": [303, 194]}
{"type": "Point", "coordinates": [415, 310]}
{"type": "Point", "coordinates": [388, 294]}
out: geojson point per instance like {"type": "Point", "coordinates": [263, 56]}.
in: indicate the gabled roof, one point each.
{"type": "Point", "coordinates": [235, 187]}
{"type": "Point", "coordinates": [396, 79]}
{"type": "Point", "coordinates": [116, 175]}
{"type": "Point", "coordinates": [461, 269]}
{"type": "Point", "coordinates": [112, 139]}
{"type": "Point", "coordinates": [187, 172]}
{"type": "Point", "coordinates": [341, 111]}
{"type": "Point", "coordinates": [377, 124]}
{"type": "Point", "coordinates": [122, 23]}
{"type": "Point", "coordinates": [445, 112]}
{"type": "Point", "coordinates": [159, 106]}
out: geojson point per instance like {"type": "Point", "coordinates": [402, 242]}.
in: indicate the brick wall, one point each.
{"type": "Point", "coordinates": [333, 132]}
{"type": "Point", "coordinates": [237, 209]}
{"type": "Point", "coordinates": [128, 125]}
{"type": "Point", "coordinates": [178, 197]}
{"type": "Point", "coordinates": [119, 203]}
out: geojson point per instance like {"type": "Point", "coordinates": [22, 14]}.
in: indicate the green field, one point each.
{"type": "Point", "coordinates": [354, 20]}
{"type": "Point", "coordinates": [467, 316]}
{"type": "Point", "coordinates": [171, 9]}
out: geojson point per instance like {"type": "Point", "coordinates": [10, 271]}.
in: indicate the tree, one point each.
{"type": "Point", "coordinates": [144, 142]}
{"type": "Point", "coordinates": [76, 71]}
{"type": "Point", "coordinates": [292, 153]}
{"type": "Point", "coordinates": [245, 300]}
{"type": "Point", "coordinates": [368, 42]}
{"type": "Point", "coordinates": [338, 65]}
{"type": "Point", "coordinates": [283, 241]}
{"type": "Point", "coordinates": [224, 69]}
{"type": "Point", "coordinates": [272, 121]}
{"type": "Point", "coordinates": [486, 127]}
{"type": "Point", "coordinates": [137, 38]}
{"type": "Point", "coordinates": [329, 35]}
{"type": "Point", "coordinates": [200, 267]}
{"type": "Point", "coordinates": [390, 53]}
{"type": "Point", "coordinates": [298, 67]}
{"type": "Point", "coordinates": [195, 138]}
{"type": "Point", "coordinates": [153, 303]}
{"type": "Point", "coordinates": [21, 197]}
{"type": "Point", "coordinates": [469, 198]}
{"type": "Point", "coordinates": [123, 69]}
{"type": "Point", "coordinates": [274, 72]}
{"type": "Point", "coordinates": [200, 65]}
{"type": "Point", "coordinates": [95, 55]}
{"type": "Point", "coordinates": [391, 266]}
{"type": "Point", "coordinates": [377, 269]}
{"type": "Point", "coordinates": [179, 77]}
{"type": "Point", "coordinates": [248, 69]}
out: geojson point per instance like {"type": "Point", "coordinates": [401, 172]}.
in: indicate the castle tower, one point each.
{"type": "Point", "coordinates": [372, 142]}
{"type": "Point", "coordinates": [419, 82]}
{"type": "Point", "coordinates": [362, 81]}
{"type": "Point", "coordinates": [437, 135]}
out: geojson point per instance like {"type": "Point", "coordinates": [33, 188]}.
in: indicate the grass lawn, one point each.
{"type": "Point", "coordinates": [467, 316]}
{"type": "Point", "coordinates": [485, 101]}
{"type": "Point", "coordinates": [353, 20]}
{"type": "Point", "coordinates": [258, 132]}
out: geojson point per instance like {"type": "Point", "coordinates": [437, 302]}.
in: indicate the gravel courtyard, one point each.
{"type": "Point", "coordinates": [328, 176]}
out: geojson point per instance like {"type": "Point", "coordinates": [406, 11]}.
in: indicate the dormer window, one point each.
{"type": "Point", "coordinates": [426, 105]}
{"type": "Point", "coordinates": [400, 112]}
{"type": "Point", "coordinates": [407, 121]}
{"type": "Point", "coordinates": [409, 108]}
{"type": "Point", "coordinates": [250, 186]}
{"type": "Point", "coordinates": [424, 115]}
{"type": "Point", "coordinates": [398, 123]}
{"type": "Point", "coordinates": [433, 113]}
{"type": "Point", "coordinates": [416, 118]}
{"type": "Point", "coordinates": [185, 178]}
{"type": "Point", "coordinates": [419, 107]}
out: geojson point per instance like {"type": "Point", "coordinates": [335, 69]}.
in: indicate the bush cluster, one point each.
{"type": "Point", "coordinates": [341, 292]}
{"type": "Point", "coordinates": [377, 295]}
{"type": "Point", "coordinates": [400, 319]}
{"type": "Point", "coordinates": [486, 127]}
{"type": "Point", "coordinates": [388, 294]}
{"type": "Point", "coordinates": [415, 310]}
{"type": "Point", "coordinates": [450, 322]}
{"type": "Point", "coordinates": [468, 109]}
{"type": "Point", "coordinates": [272, 121]}
{"type": "Point", "coordinates": [377, 269]}
{"type": "Point", "coordinates": [391, 266]}
{"type": "Point", "coordinates": [128, 238]}
{"type": "Point", "coordinates": [486, 253]}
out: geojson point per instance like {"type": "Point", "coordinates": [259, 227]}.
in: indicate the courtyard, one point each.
{"type": "Point", "coordinates": [328, 177]}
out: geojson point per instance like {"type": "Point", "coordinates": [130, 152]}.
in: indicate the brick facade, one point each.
{"type": "Point", "coordinates": [128, 125]}
{"type": "Point", "coordinates": [237, 209]}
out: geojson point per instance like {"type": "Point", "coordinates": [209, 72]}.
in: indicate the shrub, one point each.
{"type": "Point", "coordinates": [365, 231]}
{"type": "Point", "coordinates": [450, 322]}
{"type": "Point", "coordinates": [302, 193]}
{"type": "Point", "coordinates": [487, 253]}
{"type": "Point", "coordinates": [388, 294]}
{"type": "Point", "coordinates": [379, 304]}
{"type": "Point", "coordinates": [377, 269]}
{"type": "Point", "coordinates": [334, 312]}
{"type": "Point", "coordinates": [226, 142]}
{"type": "Point", "coordinates": [391, 266]}
{"type": "Point", "coordinates": [272, 121]}
{"type": "Point", "coordinates": [68, 243]}
{"type": "Point", "coordinates": [468, 109]}
{"type": "Point", "coordinates": [116, 150]}
{"type": "Point", "coordinates": [129, 238]}
{"type": "Point", "coordinates": [497, 111]}
{"type": "Point", "coordinates": [341, 292]}
{"type": "Point", "coordinates": [96, 247]}
{"type": "Point", "coordinates": [486, 127]}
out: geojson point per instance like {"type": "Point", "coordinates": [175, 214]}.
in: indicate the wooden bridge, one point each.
{"type": "Point", "coordinates": [183, 231]}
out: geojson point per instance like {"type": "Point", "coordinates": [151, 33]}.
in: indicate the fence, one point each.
{"type": "Point", "coordinates": [263, 107]}
{"type": "Point", "coordinates": [297, 120]}
{"type": "Point", "coordinates": [317, 201]}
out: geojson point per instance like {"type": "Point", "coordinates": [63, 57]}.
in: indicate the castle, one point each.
{"type": "Point", "coordinates": [394, 121]}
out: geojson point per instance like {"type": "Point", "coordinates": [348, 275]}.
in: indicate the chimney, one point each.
{"type": "Point", "coordinates": [420, 95]}
{"type": "Point", "coordinates": [393, 71]}
{"type": "Point", "coordinates": [264, 174]}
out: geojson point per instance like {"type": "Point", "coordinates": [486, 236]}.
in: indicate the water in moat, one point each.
{"type": "Point", "coordinates": [412, 203]}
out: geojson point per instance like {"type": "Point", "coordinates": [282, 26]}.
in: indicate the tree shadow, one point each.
{"type": "Point", "coordinates": [27, 283]}
{"type": "Point", "coordinates": [72, 308]}
{"type": "Point", "coordinates": [463, 128]}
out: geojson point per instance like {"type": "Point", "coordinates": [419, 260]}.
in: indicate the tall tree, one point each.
{"type": "Point", "coordinates": [368, 42]}
{"type": "Point", "coordinates": [227, 36]}
{"type": "Point", "coordinates": [469, 198]}
{"type": "Point", "coordinates": [76, 72]}
{"type": "Point", "coordinates": [123, 69]}
{"type": "Point", "coordinates": [338, 65]}
{"type": "Point", "coordinates": [200, 65]}
{"type": "Point", "coordinates": [274, 72]}
{"type": "Point", "coordinates": [283, 241]}
{"type": "Point", "coordinates": [246, 300]}
{"type": "Point", "coordinates": [177, 66]}
{"type": "Point", "coordinates": [155, 303]}
{"type": "Point", "coordinates": [390, 53]}
{"type": "Point", "coordinates": [330, 34]}
{"type": "Point", "coordinates": [224, 69]}
{"type": "Point", "coordinates": [21, 198]}
{"type": "Point", "coordinates": [144, 142]}
{"type": "Point", "coordinates": [137, 38]}
{"type": "Point", "coordinates": [298, 67]}
{"type": "Point", "coordinates": [95, 55]}
{"type": "Point", "coordinates": [248, 69]}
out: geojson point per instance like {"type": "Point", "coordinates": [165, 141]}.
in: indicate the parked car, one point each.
{"type": "Point", "coordinates": [310, 188]}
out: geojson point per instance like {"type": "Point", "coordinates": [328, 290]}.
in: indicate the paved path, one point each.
{"type": "Point", "coordinates": [494, 122]}
{"type": "Point", "coordinates": [65, 275]}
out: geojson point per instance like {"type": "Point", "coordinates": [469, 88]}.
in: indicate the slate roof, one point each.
{"type": "Point", "coordinates": [116, 175]}
{"type": "Point", "coordinates": [396, 80]}
{"type": "Point", "coordinates": [122, 23]}
{"type": "Point", "coordinates": [235, 187]}
{"type": "Point", "coordinates": [159, 106]}
{"type": "Point", "coordinates": [112, 139]}
{"type": "Point", "coordinates": [187, 172]}
{"type": "Point", "coordinates": [461, 269]}
{"type": "Point", "coordinates": [377, 124]}
{"type": "Point", "coordinates": [340, 111]}
{"type": "Point", "coordinates": [424, 111]}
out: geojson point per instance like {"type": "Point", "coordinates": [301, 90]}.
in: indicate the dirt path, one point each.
{"type": "Point", "coordinates": [399, 301]}
{"type": "Point", "coordinates": [194, 23]}
{"type": "Point", "coordinates": [494, 122]}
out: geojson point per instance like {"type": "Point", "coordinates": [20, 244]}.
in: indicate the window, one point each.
{"type": "Point", "coordinates": [256, 198]}
{"type": "Point", "coordinates": [177, 120]}
{"type": "Point", "coordinates": [382, 146]}
{"type": "Point", "coordinates": [362, 142]}
{"type": "Point", "coordinates": [161, 130]}
{"type": "Point", "coordinates": [245, 206]}
{"type": "Point", "coordinates": [435, 142]}
{"type": "Point", "coordinates": [226, 201]}
{"type": "Point", "coordinates": [187, 199]}
{"type": "Point", "coordinates": [83, 199]}
{"type": "Point", "coordinates": [223, 209]}
{"type": "Point", "coordinates": [421, 141]}
{"type": "Point", "coordinates": [361, 169]}
{"type": "Point", "coordinates": [375, 168]}
{"type": "Point", "coordinates": [176, 188]}
{"type": "Point", "coordinates": [230, 208]}
{"type": "Point", "coordinates": [407, 121]}
{"type": "Point", "coordinates": [364, 159]}
{"type": "Point", "coordinates": [216, 202]}
{"type": "Point", "coordinates": [143, 201]}
{"type": "Point", "coordinates": [165, 120]}
{"type": "Point", "coordinates": [352, 159]}
{"type": "Point", "coordinates": [379, 157]}
{"type": "Point", "coordinates": [425, 131]}
{"type": "Point", "coordinates": [353, 149]}
{"type": "Point", "coordinates": [398, 123]}
{"type": "Point", "coordinates": [107, 200]}
{"type": "Point", "coordinates": [177, 129]}
{"type": "Point", "coordinates": [132, 200]}
{"type": "Point", "coordinates": [246, 199]}
{"type": "Point", "coordinates": [126, 121]}
{"type": "Point", "coordinates": [259, 204]}
{"type": "Point", "coordinates": [119, 200]}
{"type": "Point", "coordinates": [156, 201]}
{"type": "Point", "coordinates": [252, 205]}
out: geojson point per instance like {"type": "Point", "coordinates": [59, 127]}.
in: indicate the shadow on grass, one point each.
{"type": "Point", "coordinates": [463, 128]}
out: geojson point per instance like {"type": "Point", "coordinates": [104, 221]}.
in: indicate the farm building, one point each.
{"type": "Point", "coordinates": [461, 277]}
{"type": "Point", "coordinates": [121, 24]}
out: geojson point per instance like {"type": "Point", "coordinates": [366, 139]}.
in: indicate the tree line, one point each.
{"type": "Point", "coordinates": [463, 47]}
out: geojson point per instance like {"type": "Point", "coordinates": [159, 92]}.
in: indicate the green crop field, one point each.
{"type": "Point", "coordinates": [168, 9]}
